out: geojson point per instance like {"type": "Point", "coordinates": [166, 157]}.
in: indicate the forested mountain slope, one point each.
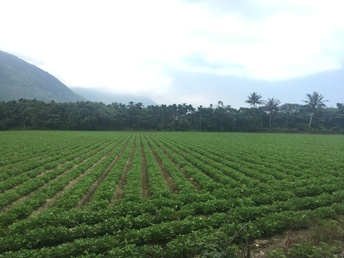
{"type": "Point", "coordinates": [19, 79]}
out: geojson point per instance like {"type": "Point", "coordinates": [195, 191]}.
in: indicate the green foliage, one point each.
{"type": "Point", "coordinates": [302, 250]}
{"type": "Point", "coordinates": [33, 99]}
{"type": "Point", "coordinates": [80, 194]}
{"type": "Point", "coordinates": [33, 114]}
{"type": "Point", "coordinates": [277, 253]}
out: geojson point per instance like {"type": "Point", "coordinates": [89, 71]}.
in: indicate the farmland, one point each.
{"type": "Point", "coordinates": [161, 194]}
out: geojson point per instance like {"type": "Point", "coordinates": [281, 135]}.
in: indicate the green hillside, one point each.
{"type": "Point", "coordinates": [19, 79]}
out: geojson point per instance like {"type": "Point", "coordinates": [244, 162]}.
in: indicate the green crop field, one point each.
{"type": "Point", "coordinates": [161, 194]}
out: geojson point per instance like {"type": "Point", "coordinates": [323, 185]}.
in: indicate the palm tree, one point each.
{"type": "Point", "coordinates": [220, 104]}
{"type": "Point", "coordinates": [131, 103]}
{"type": "Point", "coordinates": [340, 114]}
{"type": "Point", "coordinates": [254, 99]}
{"type": "Point", "coordinates": [340, 107]}
{"type": "Point", "coordinates": [314, 102]}
{"type": "Point", "coordinates": [271, 106]}
{"type": "Point", "coordinates": [200, 117]}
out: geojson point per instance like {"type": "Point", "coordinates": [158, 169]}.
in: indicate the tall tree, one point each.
{"type": "Point", "coordinates": [254, 99]}
{"type": "Point", "coordinates": [291, 115]}
{"type": "Point", "coordinates": [340, 114]}
{"type": "Point", "coordinates": [271, 106]}
{"type": "Point", "coordinates": [340, 107]}
{"type": "Point", "coordinates": [314, 102]}
{"type": "Point", "coordinates": [200, 117]}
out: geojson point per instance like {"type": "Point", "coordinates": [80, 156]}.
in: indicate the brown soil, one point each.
{"type": "Point", "coordinates": [262, 247]}
{"type": "Point", "coordinates": [328, 232]}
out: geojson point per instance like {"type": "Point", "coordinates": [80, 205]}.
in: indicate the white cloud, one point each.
{"type": "Point", "coordinates": [282, 45]}
{"type": "Point", "coordinates": [129, 46]}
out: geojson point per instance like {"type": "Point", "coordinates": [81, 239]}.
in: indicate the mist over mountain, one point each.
{"type": "Point", "coordinates": [232, 90]}
{"type": "Point", "coordinates": [108, 98]}
{"type": "Point", "coordinates": [19, 79]}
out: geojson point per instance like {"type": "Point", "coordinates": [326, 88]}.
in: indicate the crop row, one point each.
{"type": "Point", "coordinates": [166, 194]}
{"type": "Point", "coordinates": [61, 159]}
{"type": "Point", "coordinates": [146, 229]}
{"type": "Point", "coordinates": [42, 190]}
{"type": "Point", "coordinates": [246, 174]}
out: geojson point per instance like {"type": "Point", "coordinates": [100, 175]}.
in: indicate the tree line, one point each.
{"type": "Point", "coordinates": [261, 116]}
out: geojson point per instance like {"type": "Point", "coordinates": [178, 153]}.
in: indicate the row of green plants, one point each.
{"type": "Point", "coordinates": [104, 195]}
{"type": "Point", "coordinates": [58, 160]}
{"type": "Point", "coordinates": [37, 160]}
{"type": "Point", "coordinates": [98, 164]}
{"type": "Point", "coordinates": [133, 179]}
{"type": "Point", "coordinates": [181, 180]}
{"type": "Point", "coordinates": [180, 160]}
{"type": "Point", "coordinates": [162, 230]}
{"type": "Point", "coordinates": [176, 208]}
{"type": "Point", "coordinates": [209, 194]}
{"type": "Point", "coordinates": [158, 185]}
{"type": "Point", "coordinates": [245, 170]}
{"type": "Point", "coordinates": [50, 184]}
{"type": "Point", "coordinates": [308, 189]}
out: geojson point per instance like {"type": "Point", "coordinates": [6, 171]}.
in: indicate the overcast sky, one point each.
{"type": "Point", "coordinates": [183, 51]}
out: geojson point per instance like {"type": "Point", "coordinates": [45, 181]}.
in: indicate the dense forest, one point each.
{"type": "Point", "coordinates": [263, 115]}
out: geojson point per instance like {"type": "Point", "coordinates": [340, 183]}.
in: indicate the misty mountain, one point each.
{"type": "Point", "coordinates": [19, 79]}
{"type": "Point", "coordinates": [108, 98]}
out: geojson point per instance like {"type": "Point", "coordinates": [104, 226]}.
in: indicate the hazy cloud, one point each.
{"type": "Point", "coordinates": [143, 46]}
